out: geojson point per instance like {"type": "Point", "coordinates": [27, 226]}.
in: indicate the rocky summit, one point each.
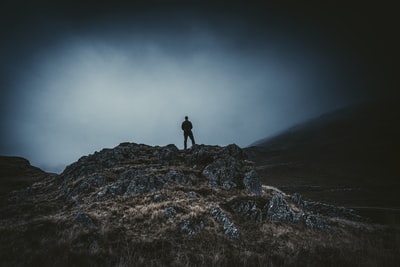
{"type": "Point", "coordinates": [140, 205]}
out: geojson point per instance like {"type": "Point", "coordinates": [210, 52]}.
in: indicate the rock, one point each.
{"type": "Point", "coordinates": [296, 198]}
{"type": "Point", "coordinates": [133, 169]}
{"type": "Point", "coordinates": [85, 186]}
{"type": "Point", "coordinates": [178, 177]}
{"type": "Point", "coordinates": [279, 210]}
{"type": "Point", "coordinates": [112, 190]}
{"type": "Point", "coordinates": [169, 152]}
{"type": "Point", "coordinates": [229, 227]}
{"type": "Point", "coordinates": [230, 170]}
{"type": "Point", "coordinates": [102, 160]}
{"type": "Point", "coordinates": [223, 173]}
{"type": "Point", "coordinates": [252, 183]}
{"type": "Point", "coordinates": [315, 222]}
{"type": "Point", "coordinates": [234, 151]}
{"type": "Point", "coordinates": [190, 228]}
{"type": "Point", "coordinates": [201, 154]}
{"type": "Point", "coordinates": [140, 182]}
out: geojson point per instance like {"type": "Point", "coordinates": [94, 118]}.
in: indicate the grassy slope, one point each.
{"type": "Point", "coordinates": [17, 173]}
{"type": "Point", "coordinates": [134, 231]}
{"type": "Point", "coordinates": [346, 158]}
{"type": "Point", "coordinates": [39, 228]}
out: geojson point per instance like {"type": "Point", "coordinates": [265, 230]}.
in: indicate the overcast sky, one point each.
{"type": "Point", "coordinates": [79, 78]}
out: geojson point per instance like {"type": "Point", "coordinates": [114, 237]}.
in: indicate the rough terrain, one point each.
{"type": "Point", "coordinates": [138, 205]}
{"type": "Point", "coordinates": [348, 157]}
{"type": "Point", "coordinates": [17, 173]}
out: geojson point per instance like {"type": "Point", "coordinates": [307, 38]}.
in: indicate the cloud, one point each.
{"type": "Point", "coordinates": [131, 80]}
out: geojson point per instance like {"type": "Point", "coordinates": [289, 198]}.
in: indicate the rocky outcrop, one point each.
{"type": "Point", "coordinates": [131, 169]}
{"type": "Point", "coordinates": [279, 210]}
{"type": "Point", "coordinates": [134, 195]}
{"type": "Point", "coordinates": [134, 169]}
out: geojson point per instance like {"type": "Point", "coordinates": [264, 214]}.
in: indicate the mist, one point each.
{"type": "Point", "coordinates": [80, 85]}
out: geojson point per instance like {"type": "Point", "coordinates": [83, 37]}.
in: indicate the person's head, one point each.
{"type": "Point", "coordinates": [186, 117]}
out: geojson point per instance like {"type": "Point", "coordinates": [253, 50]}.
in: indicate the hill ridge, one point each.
{"type": "Point", "coordinates": [143, 205]}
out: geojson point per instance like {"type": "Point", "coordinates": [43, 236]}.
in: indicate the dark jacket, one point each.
{"type": "Point", "coordinates": [187, 126]}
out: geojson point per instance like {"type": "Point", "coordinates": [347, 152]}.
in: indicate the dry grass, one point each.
{"type": "Point", "coordinates": [173, 227]}
{"type": "Point", "coordinates": [135, 231]}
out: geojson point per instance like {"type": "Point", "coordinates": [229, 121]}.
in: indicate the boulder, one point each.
{"type": "Point", "coordinates": [229, 227]}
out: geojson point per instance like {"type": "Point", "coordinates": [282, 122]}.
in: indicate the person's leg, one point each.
{"type": "Point", "coordinates": [185, 136]}
{"type": "Point", "coordinates": [192, 139]}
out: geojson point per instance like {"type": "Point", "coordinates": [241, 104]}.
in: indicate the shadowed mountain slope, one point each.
{"type": "Point", "coordinates": [17, 173]}
{"type": "Point", "coordinates": [138, 205]}
{"type": "Point", "coordinates": [348, 157]}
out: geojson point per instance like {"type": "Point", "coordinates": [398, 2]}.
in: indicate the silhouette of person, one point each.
{"type": "Point", "coordinates": [187, 131]}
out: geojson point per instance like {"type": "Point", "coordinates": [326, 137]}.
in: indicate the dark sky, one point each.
{"type": "Point", "coordinates": [76, 77]}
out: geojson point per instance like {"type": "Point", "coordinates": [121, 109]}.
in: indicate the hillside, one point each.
{"type": "Point", "coordinates": [17, 173]}
{"type": "Point", "coordinates": [138, 205]}
{"type": "Point", "coordinates": [348, 157]}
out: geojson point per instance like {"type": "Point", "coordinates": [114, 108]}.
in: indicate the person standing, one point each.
{"type": "Point", "coordinates": [187, 131]}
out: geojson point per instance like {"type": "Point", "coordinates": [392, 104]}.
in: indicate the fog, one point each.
{"type": "Point", "coordinates": [75, 86]}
